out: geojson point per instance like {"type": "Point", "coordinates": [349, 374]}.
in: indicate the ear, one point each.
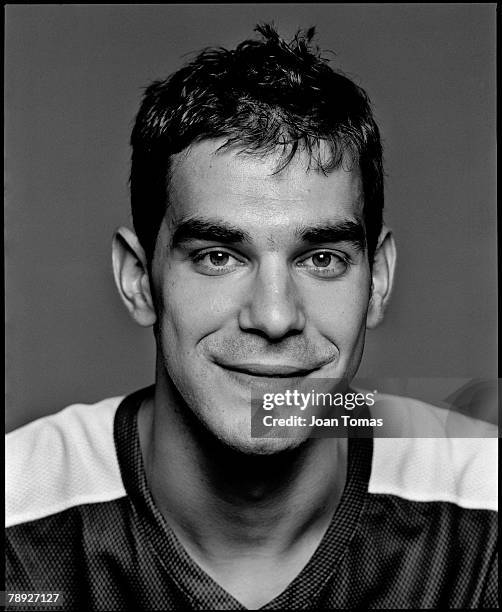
{"type": "Point", "coordinates": [131, 276]}
{"type": "Point", "coordinates": [384, 265]}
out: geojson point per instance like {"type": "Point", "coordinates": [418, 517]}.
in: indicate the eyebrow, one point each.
{"type": "Point", "coordinates": [341, 231]}
{"type": "Point", "coordinates": [214, 230]}
{"type": "Point", "coordinates": [211, 231]}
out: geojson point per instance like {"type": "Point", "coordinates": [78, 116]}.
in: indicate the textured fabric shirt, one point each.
{"type": "Point", "coordinates": [415, 527]}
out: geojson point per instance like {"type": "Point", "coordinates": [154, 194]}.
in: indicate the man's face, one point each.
{"type": "Point", "coordinates": [257, 277]}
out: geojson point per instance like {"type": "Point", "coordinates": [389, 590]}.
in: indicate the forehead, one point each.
{"type": "Point", "coordinates": [247, 189]}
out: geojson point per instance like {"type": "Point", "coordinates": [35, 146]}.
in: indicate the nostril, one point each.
{"type": "Point", "coordinates": [273, 339]}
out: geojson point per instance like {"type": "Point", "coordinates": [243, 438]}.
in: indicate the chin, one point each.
{"type": "Point", "coordinates": [224, 424]}
{"type": "Point", "coordinates": [242, 442]}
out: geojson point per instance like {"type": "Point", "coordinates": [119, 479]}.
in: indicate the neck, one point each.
{"type": "Point", "coordinates": [222, 503]}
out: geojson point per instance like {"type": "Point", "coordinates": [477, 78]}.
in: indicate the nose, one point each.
{"type": "Point", "coordinates": [273, 308]}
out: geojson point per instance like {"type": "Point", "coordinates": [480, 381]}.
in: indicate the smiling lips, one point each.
{"type": "Point", "coordinates": [268, 370]}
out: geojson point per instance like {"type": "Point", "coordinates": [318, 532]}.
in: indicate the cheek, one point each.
{"type": "Point", "coordinates": [339, 311]}
{"type": "Point", "coordinates": [191, 309]}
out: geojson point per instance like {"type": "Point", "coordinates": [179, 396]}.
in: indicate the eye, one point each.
{"type": "Point", "coordinates": [216, 262]}
{"type": "Point", "coordinates": [218, 258]}
{"type": "Point", "coordinates": [325, 264]}
{"type": "Point", "coordinates": [321, 260]}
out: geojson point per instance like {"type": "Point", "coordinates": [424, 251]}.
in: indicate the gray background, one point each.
{"type": "Point", "coordinates": [74, 77]}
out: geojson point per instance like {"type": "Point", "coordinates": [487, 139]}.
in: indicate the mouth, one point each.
{"type": "Point", "coordinates": [269, 377]}
{"type": "Point", "coordinates": [274, 371]}
{"type": "Point", "coordinates": [266, 379]}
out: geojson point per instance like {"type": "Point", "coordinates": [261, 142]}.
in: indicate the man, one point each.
{"type": "Point", "coordinates": [260, 258]}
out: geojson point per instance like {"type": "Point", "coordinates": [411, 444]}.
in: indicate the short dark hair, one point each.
{"type": "Point", "coordinates": [262, 95]}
